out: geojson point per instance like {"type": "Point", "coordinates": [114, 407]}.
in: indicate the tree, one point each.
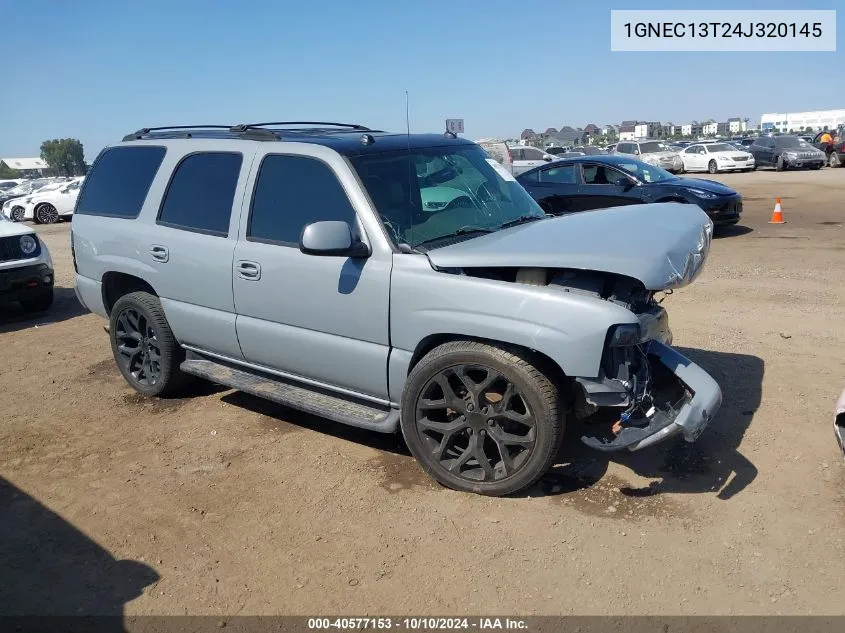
{"type": "Point", "coordinates": [65, 156]}
{"type": "Point", "coordinates": [7, 172]}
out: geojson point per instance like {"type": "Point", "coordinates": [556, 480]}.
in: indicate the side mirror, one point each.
{"type": "Point", "coordinates": [548, 157]}
{"type": "Point", "coordinates": [636, 152]}
{"type": "Point", "coordinates": [331, 238]}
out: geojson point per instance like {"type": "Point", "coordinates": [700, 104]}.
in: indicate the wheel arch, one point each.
{"type": "Point", "coordinates": [117, 284]}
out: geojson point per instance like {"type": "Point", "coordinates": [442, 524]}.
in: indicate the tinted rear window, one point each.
{"type": "Point", "coordinates": [201, 192]}
{"type": "Point", "coordinates": [118, 183]}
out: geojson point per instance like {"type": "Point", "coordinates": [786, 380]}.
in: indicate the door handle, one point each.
{"type": "Point", "coordinates": [159, 253]}
{"type": "Point", "coordinates": [251, 271]}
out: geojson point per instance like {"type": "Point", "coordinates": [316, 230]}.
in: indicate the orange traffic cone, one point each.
{"type": "Point", "coordinates": [777, 214]}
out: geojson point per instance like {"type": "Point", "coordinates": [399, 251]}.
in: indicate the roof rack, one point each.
{"type": "Point", "coordinates": [352, 126]}
{"type": "Point", "coordinates": [252, 131]}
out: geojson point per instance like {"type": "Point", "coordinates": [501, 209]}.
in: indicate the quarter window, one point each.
{"type": "Point", "coordinates": [119, 181]}
{"type": "Point", "coordinates": [292, 191]}
{"type": "Point", "coordinates": [201, 193]}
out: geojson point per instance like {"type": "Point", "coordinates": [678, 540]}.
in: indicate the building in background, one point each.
{"type": "Point", "coordinates": [709, 127]}
{"type": "Point", "coordinates": [28, 167]}
{"type": "Point", "coordinates": [627, 132]}
{"type": "Point", "coordinates": [737, 125]}
{"type": "Point", "coordinates": [785, 122]}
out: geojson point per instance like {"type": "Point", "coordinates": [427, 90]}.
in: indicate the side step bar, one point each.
{"type": "Point", "coordinates": [304, 398]}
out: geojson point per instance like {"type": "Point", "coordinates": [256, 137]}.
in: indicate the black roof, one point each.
{"type": "Point", "coordinates": [344, 138]}
{"type": "Point", "coordinates": [602, 159]}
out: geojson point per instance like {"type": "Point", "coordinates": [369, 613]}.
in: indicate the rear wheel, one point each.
{"type": "Point", "coordinates": [46, 214]}
{"type": "Point", "coordinates": [144, 347]}
{"type": "Point", "coordinates": [712, 167]}
{"type": "Point", "coordinates": [481, 419]}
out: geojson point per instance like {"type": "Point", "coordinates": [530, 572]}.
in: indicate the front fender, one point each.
{"type": "Point", "coordinates": [570, 329]}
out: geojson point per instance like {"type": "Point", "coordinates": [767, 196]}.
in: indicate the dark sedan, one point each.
{"type": "Point", "coordinates": [596, 182]}
{"type": "Point", "coordinates": [786, 152]}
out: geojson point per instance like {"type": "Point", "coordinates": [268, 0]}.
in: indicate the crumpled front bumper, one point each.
{"type": "Point", "coordinates": [691, 416]}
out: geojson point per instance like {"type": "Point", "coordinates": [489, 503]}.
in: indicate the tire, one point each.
{"type": "Point", "coordinates": [17, 214]}
{"type": "Point", "coordinates": [503, 402]}
{"type": "Point", "coordinates": [139, 318]}
{"type": "Point", "coordinates": [834, 161]}
{"type": "Point", "coordinates": [779, 166]}
{"type": "Point", "coordinates": [46, 214]}
{"type": "Point", "coordinates": [712, 167]}
{"type": "Point", "coordinates": [39, 303]}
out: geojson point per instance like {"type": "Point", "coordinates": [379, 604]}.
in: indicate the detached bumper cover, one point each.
{"type": "Point", "coordinates": [690, 419]}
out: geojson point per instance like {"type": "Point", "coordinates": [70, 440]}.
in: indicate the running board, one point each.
{"type": "Point", "coordinates": [309, 399]}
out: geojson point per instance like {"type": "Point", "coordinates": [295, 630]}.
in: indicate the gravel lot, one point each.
{"type": "Point", "coordinates": [222, 503]}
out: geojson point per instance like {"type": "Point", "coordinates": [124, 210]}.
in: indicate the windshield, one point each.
{"type": "Point", "coordinates": [645, 172]}
{"type": "Point", "coordinates": [436, 192]}
{"type": "Point", "coordinates": [792, 141]}
{"type": "Point", "coordinates": [720, 147]}
{"type": "Point", "coordinates": [653, 147]}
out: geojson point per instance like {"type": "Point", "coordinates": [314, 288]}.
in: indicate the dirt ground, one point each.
{"type": "Point", "coordinates": [221, 503]}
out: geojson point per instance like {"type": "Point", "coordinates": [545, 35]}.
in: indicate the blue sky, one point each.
{"type": "Point", "coordinates": [98, 69]}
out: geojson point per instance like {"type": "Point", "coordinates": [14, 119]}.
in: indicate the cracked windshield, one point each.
{"type": "Point", "coordinates": [436, 193]}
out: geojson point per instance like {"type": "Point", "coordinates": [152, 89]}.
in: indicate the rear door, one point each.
{"type": "Point", "coordinates": [692, 157]}
{"type": "Point", "coordinates": [763, 150]}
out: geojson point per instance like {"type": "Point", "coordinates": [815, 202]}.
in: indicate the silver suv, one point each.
{"type": "Point", "coordinates": [391, 282]}
{"type": "Point", "coordinates": [655, 153]}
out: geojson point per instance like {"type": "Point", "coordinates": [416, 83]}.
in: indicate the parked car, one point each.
{"type": "Point", "coordinates": [5, 185]}
{"type": "Point", "coordinates": [598, 182]}
{"type": "Point", "coordinates": [835, 150]}
{"type": "Point", "coordinates": [653, 153]}
{"type": "Point", "coordinates": [747, 142]}
{"type": "Point", "coordinates": [47, 205]}
{"type": "Point", "coordinates": [26, 268]}
{"type": "Point", "coordinates": [716, 157]}
{"type": "Point", "coordinates": [588, 150]}
{"type": "Point", "coordinates": [23, 189]}
{"type": "Point", "coordinates": [786, 152]}
{"type": "Point", "coordinates": [516, 158]}
{"type": "Point", "coordinates": [305, 266]}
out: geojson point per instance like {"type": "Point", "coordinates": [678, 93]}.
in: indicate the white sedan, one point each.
{"type": "Point", "coordinates": [49, 204]}
{"type": "Point", "coordinates": [716, 157]}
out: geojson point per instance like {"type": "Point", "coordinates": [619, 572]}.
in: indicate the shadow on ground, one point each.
{"type": "Point", "coordinates": [711, 464]}
{"type": "Point", "coordinates": [734, 230]}
{"type": "Point", "coordinates": [65, 306]}
{"type": "Point", "coordinates": [49, 568]}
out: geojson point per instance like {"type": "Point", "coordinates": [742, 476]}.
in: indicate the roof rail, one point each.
{"type": "Point", "coordinates": [254, 134]}
{"type": "Point", "coordinates": [352, 126]}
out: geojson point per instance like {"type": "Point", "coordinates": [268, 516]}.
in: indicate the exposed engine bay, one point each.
{"type": "Point", "coordinates": [636, 398]}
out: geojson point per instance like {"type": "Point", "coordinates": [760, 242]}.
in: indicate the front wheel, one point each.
{"type": "Point", "coordinates": [17, 214]}
{"type": "Point", "coordinates": [779, 166]}
{"type": "Point", "coordinates": [481, 419]}
{"type": "Point", "coordinates": [46, 214]}
{"type": "Point", "coordinates": [144, 347]}
{"type": "Point", "coordinates": [834, 161]}
{"type": "Point", "coordinates": [712, 167]}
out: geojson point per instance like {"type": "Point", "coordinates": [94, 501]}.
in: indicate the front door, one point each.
{"type": "Point", "coordinates": [322, 318]}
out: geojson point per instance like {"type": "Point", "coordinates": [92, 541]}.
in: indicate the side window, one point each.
{"type": "Point", "coordinates": [532, 153]}
{"type": "Point", "coordinates": [292, 191]}
{"type": "Point", "coordinates": [201, 191]}
{"type": "Point", "coordinates": [594, 175]}
{"type": "Point", "coordinates": [563, 175]}
{"type": "Point", "coordinates": [614, 176]}
{"type": "Point", "coordinates": [119, 181]}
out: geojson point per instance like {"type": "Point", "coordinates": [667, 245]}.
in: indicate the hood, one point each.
{"type": "Point", "coordinates": [658, 155]}
{"type": "Point", "coordinates": [662, 245]}
{"type": "Point", "coordinates": [8, 228]}
{"type": "Point", "coordinates": [700, 183]}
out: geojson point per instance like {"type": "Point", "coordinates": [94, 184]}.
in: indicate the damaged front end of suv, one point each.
{"type": "Point", "coordinates": [606, 284]}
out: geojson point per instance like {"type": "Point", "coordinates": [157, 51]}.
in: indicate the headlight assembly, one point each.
{"type": "Point", "coordinates": [702, 194]}
{"type": "Point", "coordinates": [28, 244]}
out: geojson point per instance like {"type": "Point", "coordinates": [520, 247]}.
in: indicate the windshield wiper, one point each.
{"type": "Point", "coordinates": [522, 220]}
{"type": "Point", "coordinates": [464, 230]}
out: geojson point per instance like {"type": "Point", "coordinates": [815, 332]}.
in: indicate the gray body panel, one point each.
{"type": "Point", "coordinates": [621, 240]}
{"type": "Point", "coordinates": [353, 325]}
